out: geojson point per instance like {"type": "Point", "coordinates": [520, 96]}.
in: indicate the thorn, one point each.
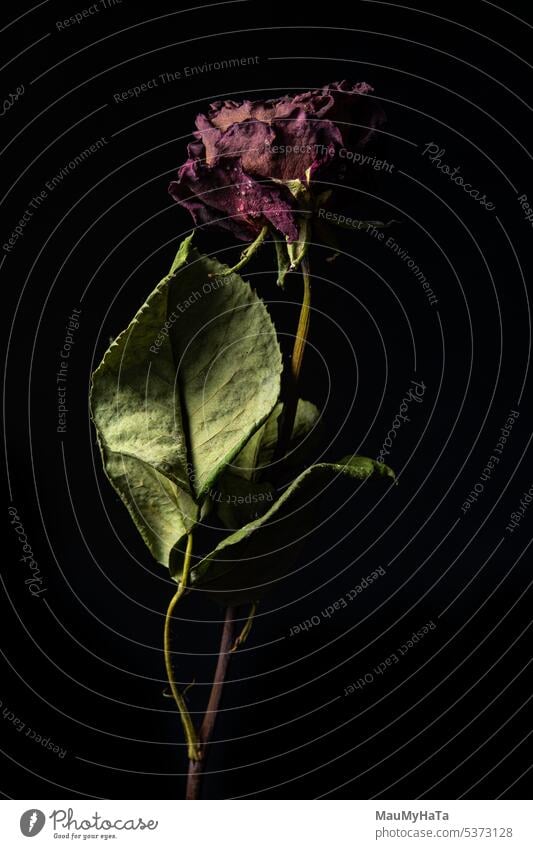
{"type": "Point", "coordinates": [241, 639]}
{"type": "Point", "coordinates": [188, 687]}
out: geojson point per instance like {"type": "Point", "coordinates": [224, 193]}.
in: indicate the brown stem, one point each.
{"type": "Point", "coordinates": [197, 767]}
{"type": "Point", "coordinates": [293, 377]}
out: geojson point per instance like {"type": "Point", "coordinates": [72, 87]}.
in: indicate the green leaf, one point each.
{"type": "Point", "coordinates": [258, 452]}
{"type": "Point", "coordinates": [181, 390]}
{"type": "Point", "coordinates": [243, 566]}
{"type": "Point", "coordinates": [298, 189]}
{"type": "Point", "coordinates": [239, 497]}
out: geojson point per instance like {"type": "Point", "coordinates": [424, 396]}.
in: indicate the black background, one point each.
{"type": "Point", "coordinates": [82, 664]}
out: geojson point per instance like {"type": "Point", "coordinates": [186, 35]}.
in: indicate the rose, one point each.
{"type": "Point", "coordinates": [246, 156]}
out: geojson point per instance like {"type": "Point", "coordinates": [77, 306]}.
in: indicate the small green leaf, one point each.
{"type": "Point", "coordinates": [245, 564]}
{"type": "Point", "coordinates": [298, 189]}
{"type": "Point", "coordinates": [258, 452]}
{"type": "Point", "coordinates": [239, 497]}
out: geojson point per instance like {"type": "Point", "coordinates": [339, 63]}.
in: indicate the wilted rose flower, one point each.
{"type": "Point", "coordinates": [245, 154]}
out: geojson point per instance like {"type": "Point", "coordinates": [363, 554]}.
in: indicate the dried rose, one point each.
{"type": "Point", "coordinates": [242, 168]}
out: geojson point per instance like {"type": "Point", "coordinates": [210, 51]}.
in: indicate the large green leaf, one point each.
{"type": "Point", "coordinates": [244, 565]}
{"type": "Point", "coordinates": [181, 390]}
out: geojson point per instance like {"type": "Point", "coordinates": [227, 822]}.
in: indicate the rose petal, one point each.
{"type": "Point", "coordinates": [223, 194]}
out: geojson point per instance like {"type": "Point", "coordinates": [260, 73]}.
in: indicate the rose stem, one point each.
{"type": "Point", "coordinates": [188, 727]}
{"type": "Point", "coordinates": [302, 331]}
{"type": "Point", "coordinates": [197, 767]}
{"type": "Point", "coordinates": [247, 253]}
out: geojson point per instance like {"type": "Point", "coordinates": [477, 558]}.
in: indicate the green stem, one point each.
{"type": "Point", "coordinates": [248, 253]}
{"type": "Point", "coordinates": [193, 748]}
{"type": "Point", "coordinates": [302, 332]}
{"type": "Point", "coordinates": [303, 325]}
